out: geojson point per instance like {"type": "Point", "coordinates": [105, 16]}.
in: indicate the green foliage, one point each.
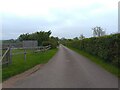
{"type": "Point", "coordinates": [107, 66]}
{"type": "Point", "coordinates": [53, 41]}
{"type": "Point", "coordinates": [105, 47]}
{"type": "Point", "coordinates": [42, 37]}
{"type": "Point", "coordinates": [46, 43]}
{"type": "Point", "coordinates": [39, 36]}
{"type": "Point", "coordinates": [19, 65]}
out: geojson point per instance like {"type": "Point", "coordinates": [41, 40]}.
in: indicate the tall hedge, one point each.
{"type": "Point", "coordinates": [106, 47]}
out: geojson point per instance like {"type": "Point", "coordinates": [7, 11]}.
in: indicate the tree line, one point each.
{"type": "Point", "coordinates": [105, 47]}
{"type": "Point", "coordinates": [42, 37]}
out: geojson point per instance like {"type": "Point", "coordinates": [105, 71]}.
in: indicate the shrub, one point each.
{"type": "Point", "coordinates": [105, 47]}
{"type": "Point", "coordinates": [51, 42]}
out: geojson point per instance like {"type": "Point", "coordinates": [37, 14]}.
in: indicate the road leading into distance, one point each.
{"type": "Point", "coordinates": [67, 69]}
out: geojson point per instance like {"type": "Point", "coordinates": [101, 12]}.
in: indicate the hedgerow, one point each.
{"type": "Point", "coordinates": [105, 47]}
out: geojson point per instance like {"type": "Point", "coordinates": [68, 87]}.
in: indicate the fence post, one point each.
{"type": "Point", "coordinates": [7, 57]}
{"type": "Point", "coordinates": [24, 54]}
{"type": "Point", "coordinates": [10, 54]}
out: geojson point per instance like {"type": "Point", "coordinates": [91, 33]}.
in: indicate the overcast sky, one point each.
{"type": "Point", "coordinates": [65, 18]}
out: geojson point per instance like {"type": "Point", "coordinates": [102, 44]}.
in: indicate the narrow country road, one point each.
{"type": "Point", "coordinates": [67, 69]}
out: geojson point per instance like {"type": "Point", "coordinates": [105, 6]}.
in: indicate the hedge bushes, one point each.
{"type": "Point", "coordinates": [53, 44]}
{"type": "Point", "coordinates": [53, 41]}
{"type": "Point", "coordinates": [106, 47]}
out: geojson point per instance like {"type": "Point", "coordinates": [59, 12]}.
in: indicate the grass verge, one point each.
{"type": "Point", "coordinates": [19, 65]}
{"type": "Point", "coordinates": [107, 66]}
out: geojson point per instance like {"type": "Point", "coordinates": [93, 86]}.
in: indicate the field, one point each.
{"type": "Point", "coordinates": [20, 65]}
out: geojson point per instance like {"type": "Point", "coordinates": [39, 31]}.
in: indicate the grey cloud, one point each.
{"type": "Point", "coordinates": [81, 23]}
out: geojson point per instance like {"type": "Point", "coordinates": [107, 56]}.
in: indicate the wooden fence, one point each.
{"type": "Point", "coordinates": [7, 56]}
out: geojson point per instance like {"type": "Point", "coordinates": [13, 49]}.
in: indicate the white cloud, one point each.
{"type": "Point", "coordinates": [58, 14]}
{"type": "Point", "coordinates": [44, 7]}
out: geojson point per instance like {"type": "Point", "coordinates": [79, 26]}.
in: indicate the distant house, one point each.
{"type": "Point", "coordinates": [30, 43]}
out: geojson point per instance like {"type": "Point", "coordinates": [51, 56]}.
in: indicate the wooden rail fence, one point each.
{"type": "Point", "coordinates": [7, 56]}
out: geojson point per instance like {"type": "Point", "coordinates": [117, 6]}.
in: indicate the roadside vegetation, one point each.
{"type": "Point", "coordinates": [20, 65]}
{"type": "Point", "coordinates": [42, 37]}
{"type": "Point", "coordinates": [107, 66]}
{"type": "Point", "coordinates": [102, 50]}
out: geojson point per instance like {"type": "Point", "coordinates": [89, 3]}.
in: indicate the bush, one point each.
{"type": "Point", "coordinates": [46, 43]}
{"type": "Point", "coordinates": [105, 47]}
{"type": "Point", "coordinates": [51, 42]}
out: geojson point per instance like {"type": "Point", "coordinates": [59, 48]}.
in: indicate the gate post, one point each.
{"type": "Point", "coordinates": [25, 54]}
{"type": "Point", "coordinates": [10, 54]}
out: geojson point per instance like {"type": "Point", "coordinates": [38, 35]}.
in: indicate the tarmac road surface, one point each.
{"type": "Point", "coordinates": [67, 69]}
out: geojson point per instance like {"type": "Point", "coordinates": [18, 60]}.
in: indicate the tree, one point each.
{"type": "Point", "coordinates": [81, 37]}
{"type": "Point", "coordinates": [39, 36]}
{"type": "Point", "coordinates": [53, 41]}
{"type": "Point", "coordinates": [24, 37]}
{"type": "Point", "coordinates": [76, 38]}
{"type": "Point", "coordinates": [98, 31]}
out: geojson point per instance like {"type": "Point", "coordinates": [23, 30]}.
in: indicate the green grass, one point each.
{"type": "Point", "coordinates": [19, 65]}
{"type": "Point", "coordinates": [17, 50]}
{"type": "Point", "coordinates": [107, 66]}
{"type": "Point", "coordinates": [21, 51]}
